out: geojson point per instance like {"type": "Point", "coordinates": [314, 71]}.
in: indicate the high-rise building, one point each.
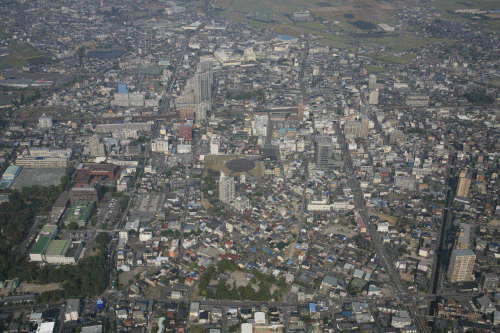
{"type": "Point", "coordinates": [202, 87]}
{"type": "Point", "coordinates": [227, 188]}
{"type": "Point", "coordinates": [463, 185]}
{"type": "Point", "coordinates": [488, 282]}
{"type": "Point", "coordinates": [97, 148]}
{"type": "Point", "coordinates": [372, 82]}
{"type": "Point", "coordinates": [461, 268]}
{"type": "Point", "coordinates": [45, 121]}
{"type": "Point", "coordinates": [203, 82]}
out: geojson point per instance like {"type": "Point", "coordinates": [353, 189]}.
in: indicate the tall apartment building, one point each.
{"type": "Point", "coordinates": [461, 268]}
{"type": "Point", "coordinates": [97, 147]}
{"type": "Point", "coordinates": [463, 185]}
{"type": "Point", "coordinates": [227, 188]}
{"type": "Point", "coordinates": [203, 82]}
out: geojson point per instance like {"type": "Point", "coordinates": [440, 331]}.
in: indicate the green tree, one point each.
{"type": "Point", "coordinates": [102, 238]}
{"type": "Point", "coordinates": [72, 226]}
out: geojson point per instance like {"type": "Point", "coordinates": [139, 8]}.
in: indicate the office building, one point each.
{"type": "Point", "coordinates": [326, 154]}
{"type": "Point", "coordinates": [97, 147]}
{"type": "Point", "coordinates": [45, 121]}
{"type": "Point", "coordinates": [461, 267]}
{"type": "Point", "coordinates": [463, 185]}
{"type": "Point", "coordinates": [488, 282]}
{"type": "Point", "coordinates": [227, 188]}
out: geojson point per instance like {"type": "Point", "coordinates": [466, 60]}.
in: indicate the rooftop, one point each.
{"type": "Point", "coordinates": [58, 247]}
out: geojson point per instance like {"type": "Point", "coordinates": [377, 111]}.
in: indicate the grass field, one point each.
{"type": "Point", "coordinates": [338, 14]}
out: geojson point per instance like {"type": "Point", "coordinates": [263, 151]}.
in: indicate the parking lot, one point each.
{"type": "Point", "coordinates": [146, 206]}
{"type": "Point", "coordinates": [108, 211]}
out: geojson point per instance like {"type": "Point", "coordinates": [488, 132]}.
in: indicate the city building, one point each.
{"type": "Point", "coordinates": [159, 146]}
{"type": "Point", "coordinates": [214, 145]}
{"type": "Point", "coordinates": [98, 170]}
{"type": "Point", "coordinates": [83, 192]}
{"type": "Point", "coordinates": [45, 121]}
{"type": "Point", "coordinates": [72, 312]}
{"type": "Point", "coordinates": [373, 99]}
{"type": "Point", "coordinates": [227, 188]}
{"type": "Point", "coordinates": [327, 155]}
{"type": "Point", "coordinates": [8, 176]}
{"type": "Point", "coordinates": [111, 128]}
{"type": "Point", "coordinates": [186, 133]}
{"type": "Point", "coordinates": [27, 161]}
{"type": "Point", "coordinates": [372, 81]}
{"type": "Point", "coordinates": [461, 267]}
{"type": "Point", "coordinates": [488, 282]}
{"type": "Point", "coordinates": [241, 204]}
{"type": "Point", "coordinates": [203, 82]}
{"type": "Point", "coordinates": [80, 213]}
{"type": "Point", "coordinates": [96, 146]}
{"type": "Point", "coordinates": [63, 252]}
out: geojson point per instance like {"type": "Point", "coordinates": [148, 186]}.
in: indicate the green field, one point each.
{"type": "Point", "coordinates": [21, 55]}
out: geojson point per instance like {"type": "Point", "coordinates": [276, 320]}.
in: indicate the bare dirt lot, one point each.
{"type": "Point", "coordinates": [34, 288]}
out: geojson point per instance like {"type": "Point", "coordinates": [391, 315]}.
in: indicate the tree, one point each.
{"type": "Point", "coordinates": [102, 238]}
{"type": "Point", "coordinates": [73, 226]}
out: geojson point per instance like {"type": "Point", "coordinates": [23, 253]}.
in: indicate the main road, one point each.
{"type": "Point", "coordinates": [400, 291]}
